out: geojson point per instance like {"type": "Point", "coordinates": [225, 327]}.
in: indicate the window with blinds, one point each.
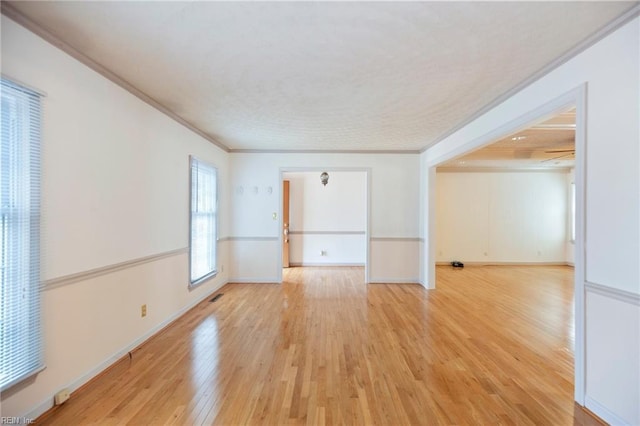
{"type": "Point", "coordinates": [20, 338]}
{"type": "Point", "coordinates": [204, 230]}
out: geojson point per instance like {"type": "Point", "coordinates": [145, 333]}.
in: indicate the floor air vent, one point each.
{"type": "Point", "coordinates": [216, 297]}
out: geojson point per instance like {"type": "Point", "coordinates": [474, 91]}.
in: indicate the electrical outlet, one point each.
{"type": "Point", "coordinates": [221, 268]}
{"type": "Point", "coordinates": [61, 396]}
{"type": "Point", "coordinates": [143, 310]}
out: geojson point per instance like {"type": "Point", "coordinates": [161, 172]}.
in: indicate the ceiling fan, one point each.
{"type": "Point", "coordinates": [571, 150]}
{"type": "Point", "coordinates": [564, 153]}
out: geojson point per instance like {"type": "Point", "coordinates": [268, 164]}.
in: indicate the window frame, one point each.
{"type": "Point", "coordinates": [29, 110]}
{"type": "Point", "coordinates": [194, 161]}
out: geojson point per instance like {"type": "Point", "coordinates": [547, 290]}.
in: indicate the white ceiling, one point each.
{"type": "Point", "coordinates": [323, 76]}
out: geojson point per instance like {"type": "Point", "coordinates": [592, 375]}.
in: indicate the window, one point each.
{"type": "Point", "coordinates": [204, 230]}
{"type": "Point", "coordinates": [20, 337]}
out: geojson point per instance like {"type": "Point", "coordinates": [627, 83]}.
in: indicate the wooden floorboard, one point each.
{"type": "Point", "coordinates": [491, 345]}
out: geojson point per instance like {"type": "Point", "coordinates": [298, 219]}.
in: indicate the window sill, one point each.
{"type": "Point", "coordinates": [199, 281]}
{"type": "Point", "coordinates": [29, 377]}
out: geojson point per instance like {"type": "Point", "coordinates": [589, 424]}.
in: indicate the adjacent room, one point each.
{"type": "Point", "coordinates": [246, 213]}
{"type": "Point", "coordinates": [325, 218]}
{"type": "Point", "coordinates": [505, 211]}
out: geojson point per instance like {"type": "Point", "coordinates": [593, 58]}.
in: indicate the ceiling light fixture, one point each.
{"type": "Point", "coordinates": [324, 178]}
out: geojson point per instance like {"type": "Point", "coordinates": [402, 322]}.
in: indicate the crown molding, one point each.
{"type": "Point", "coordinates": [624, 18]}
{"type": "Point", "coordinates": [323, 151]}
{"type": "Point", "coordinates": [12, 13]}
{"type": "Point", "coordinates": [502, 170]}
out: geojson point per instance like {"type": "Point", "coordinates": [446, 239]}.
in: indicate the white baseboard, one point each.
{"type": "Point", "coordinates": [395, 281]}
{"type": "Point", "coordinates": [45, 405]}
{"type": "Point", "coordinates": [603, 412]}
{"type": "Point", "coordinates": [489, 263]}
{"type": "Point", "coordinates": [256, 280]}
{"type": "Point", "coordinates": [325, 264]}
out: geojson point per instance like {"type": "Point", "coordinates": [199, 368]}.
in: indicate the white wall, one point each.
{"type": "Point", "coordinates": [501, 217]}
{"type": "Point", "coordinates": [613, 351]}
{"type": "Point", "coordinates": [330, 218]}
{"type": "Point", "coordinates": [611, 70]}
{"type": "Point", "coordinates": [115, 189]}
{"type": "Point", "coordinates": [393, 191]}
{"type": "Point", "coordinates": [115, 185]}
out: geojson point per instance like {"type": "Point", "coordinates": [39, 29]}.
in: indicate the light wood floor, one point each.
{"type": "Point", "coordinates": [492, 345]}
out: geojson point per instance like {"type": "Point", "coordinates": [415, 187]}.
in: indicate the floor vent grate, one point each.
{"type": "Point", "coordinates": [216, 297]}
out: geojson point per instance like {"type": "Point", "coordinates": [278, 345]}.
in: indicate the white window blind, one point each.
{"type": "Point", "coordinates": [21, 343]}
{"type": "Point", "coordinates": [203, 220]}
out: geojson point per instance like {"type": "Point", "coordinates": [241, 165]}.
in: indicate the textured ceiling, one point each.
{"type": "Point", "coordinates": [548, 145]}
{"type": "Point", "coordinates": [323, 76]}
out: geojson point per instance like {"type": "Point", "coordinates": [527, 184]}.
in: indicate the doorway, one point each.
{"type": "Point", "coordinates": [286, 218]}
{"type": "Point", "coordinates": [577, 99]}
{"type": "Point", "coordinates": [509, 202]}
{"type": "Point", "coordinates": [327, 222]}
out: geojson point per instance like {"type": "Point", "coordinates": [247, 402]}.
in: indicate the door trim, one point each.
{"type": "Point", "coordinates": [367, 170]}
{"type": "Point", "coordinates": [578, 98]}
{"type": "Point", "coordinates": [285, 231]}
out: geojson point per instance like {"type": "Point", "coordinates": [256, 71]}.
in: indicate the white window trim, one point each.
{"type": "Point", "coordinates": [214, 272]}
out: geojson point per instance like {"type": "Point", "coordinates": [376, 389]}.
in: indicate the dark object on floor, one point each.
{"type": "Point", "coordinates": [457, 264]}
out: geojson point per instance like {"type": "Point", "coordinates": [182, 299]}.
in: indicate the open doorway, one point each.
{"type": "Point", "coordinates": [504, 211]}
{"type": "Point", "coordinates": [327, 223]}
{"type": "Point", "coordinates": [574, 99]}
{"type": "Point", "coordinates": [510, 202]}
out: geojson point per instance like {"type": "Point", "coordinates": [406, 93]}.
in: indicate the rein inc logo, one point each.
{"type": "Point", "coordinates": [16, 420]}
